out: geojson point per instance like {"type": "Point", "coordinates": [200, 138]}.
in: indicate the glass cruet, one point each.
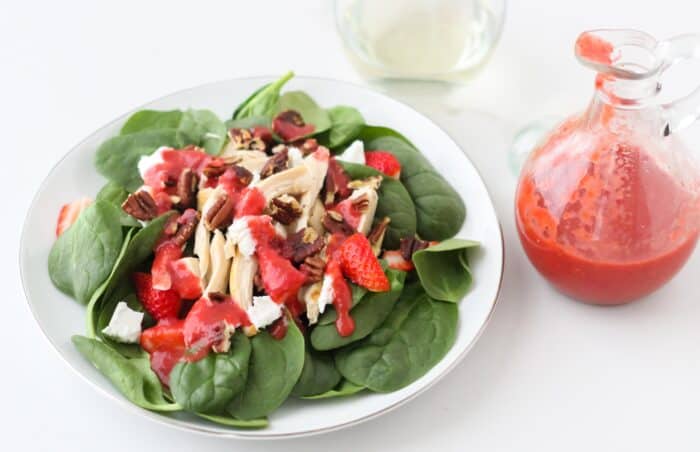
{"type": "Point", "coordinates": [608, 203]}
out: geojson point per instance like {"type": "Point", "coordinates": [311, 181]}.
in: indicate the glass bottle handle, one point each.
{"type": "Point", "coordinates": [686, 110]}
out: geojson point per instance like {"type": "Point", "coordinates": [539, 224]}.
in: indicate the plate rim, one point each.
{"type": "Point", "coordinates": [243, 433]}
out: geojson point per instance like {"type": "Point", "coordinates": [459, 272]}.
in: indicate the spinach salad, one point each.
{"type": "Point", "coordinates": [290, 251]}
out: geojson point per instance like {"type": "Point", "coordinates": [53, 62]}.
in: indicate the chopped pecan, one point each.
{"type": "Point", "coordinates": [243, 175]}
{"type": "Point", "coordinates": [302, 244]}
{"type": "Point", "coordinates": [410, 245]}
{"type": "Point", "coordinates": [376, 235]}
{"type": "Point", "coordinates": [141, 206]}
{"type": "Point", "coordinates": [314, 267]}
{"type": "Point", "coordinates": [220, 214]}
{"type": "Point", "coordinates": [187, 189]}
{"type": "Point", "coordinates": [187, 224]}
{"type": "Point", "coordinates": [373, 182]}
{"type": "Point", "coordinates": [257, 144]}
{"type": "Point", "coordinates": [275, 164]}
{"type": "Point", "coordinates": [306, 146]}
{"type": "Point", "coordinates": [215, 168]}
{"type": "Point", "coordinates": [285, 209]}
{"type": "Point", "coordinates": [335, 223]}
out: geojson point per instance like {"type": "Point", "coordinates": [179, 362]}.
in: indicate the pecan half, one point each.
{"type": "Point", "coordinates": [314, 267]}
{"type": "Point", "coordinates": [240, 138]}
{"type": "Point", "coordinates": [141, 206]}
{"type": "Point", "coordinates": [335, 223]}
{"type": "Point", "coordinates": [187, 224]}
{"type": "Point", "coordinates": [285, 209]}
{"type": "Point", "coordinates": [187, 188]}
{"type": "Point", "coordinates": [220, 214]}
{"type": "Point", "coordinates": [410, 245]}
{"type": "Point", "coordinates": [215, 168]}
{"type": "Point", "coordinates": [275, 164]}
{"type": "Point", "coordinates": [361, 203]}
{"type": "Point", "coordinates": [302, 244]}
{"type": "Point", "coordinates": [376, 235]}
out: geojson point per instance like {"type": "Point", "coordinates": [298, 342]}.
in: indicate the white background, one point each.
{"type": "Point", "coordinates": [548, 374]}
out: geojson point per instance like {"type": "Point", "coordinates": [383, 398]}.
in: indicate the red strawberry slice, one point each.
{"type": "Point", "coordinates": [166, 345]}
{"type": "Point", "coordinates": [210, 322]}
{"type": "Point", "coordinates": [161, 304]}
{"type": "Point", "coordinates": [342, 299]}
{"type": "Point", "coordinates": [166, 254]}
{"type": "Point", "coordinates": [290, 126]}
{"type": "Point", "coordinates": [359, 263]}
{"type": "Point", "coordinates": [395, 260]}
{"type": "Point", "coordinates": [385, 162]}
{"type": "Point", "coordinates": [69, 214]}
{"type": "Point", "coordinates": [263, 133]}
{"type": "Point", "coordinates": [251, 202]}
{"type": "Point", "coordinates": [280, 279]}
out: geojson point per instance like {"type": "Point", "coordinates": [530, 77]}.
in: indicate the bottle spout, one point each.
{"type": "Point", "coordinates": [623, 53]}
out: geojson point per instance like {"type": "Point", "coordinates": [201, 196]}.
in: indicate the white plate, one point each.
{"type": "Point", "coordinates": [74, 176]}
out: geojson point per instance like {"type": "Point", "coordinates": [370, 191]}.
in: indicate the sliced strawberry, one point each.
{"type": "Point", "coordinates": [210, 322]}
{"type": "Point", "coordinates": [358, 262]}
{"type": "Point", "coordinates": [184, 274]}
{"type": "Point", "coordinates": [166, 253]}
{"type": "Point", "coordinates": [395, 260]}
{"type": "Point", "coordinates": [385, 162]}
{"type": "Point", "coordinates": [280, 279]}
{"type": "Point", "coordinates": [69, 214]}
{"type": "Point", "coordinates": [290, 126]}
{"type": "Point", "coordinates": [342, 298]}
{"type": "Point", "coordinates": [350, 211]}
{"type": "Point", "coordinates": [166, 345]}
{"type": "Point", "coordinates": [161, 304]}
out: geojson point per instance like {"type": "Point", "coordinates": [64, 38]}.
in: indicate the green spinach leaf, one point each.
{"type": "Point", "coordinates": [443, 269]}
{"type": "Point", "coordinates": [233, 422]}
{"type": "Point", "coordinates": [116, 195]}
{"type": "Point", "coordinates": [307, 107]}
{"type": "Point", "coordinates": [344, 389]}
{"type": "Point", "coordinates": [202, 128]}
{"type": "Point", "coordinates": [330, 315]}
{"type": "Point", "coordinates": [274, 368]}
{"type": "Point", "coordinates": [209, 385]}
{"type": "Point", "coordinates": [367, 314]}
{"type": "Point", "coordinates": [118, 157]}
{"type": "Point", "coordinates": [83, 256]}
{"type": "Point", "coordinates": [440, 211]}
{"type": "Point", "coordinates": [248, 123]}
{"type": "Point", "coordinates": [394, 202]}
{"type": "Point", "coordinates": [262, 102]}
{"type": "Point", "coordinates": [151, 120]}
{"type": "Point", "coordinates": [318, 375]}
{"type": "Point", "coordinates": [416, 336]}
{"type": "Point", "coordinates": [136, 249]}
{"type": "Point", "coordinates": [132, 377]}
{"type": "Point", "coordinates": [346, 125]}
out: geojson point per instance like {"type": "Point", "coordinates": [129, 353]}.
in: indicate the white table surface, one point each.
{"type": "Point", "coordinates": [549, 374]}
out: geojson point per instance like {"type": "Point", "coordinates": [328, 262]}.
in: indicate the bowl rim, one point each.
{"type": "Point", "coordinates": [242, 433]}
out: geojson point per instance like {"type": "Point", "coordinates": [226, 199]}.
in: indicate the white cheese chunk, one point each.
{"type": "Point", "coordinates": [146, 162]}
{"type": "Point", "coordinates": [296, 158]}
{"type": "Point", "coordinates": [125, 324]}
{"type": "Point", "coordinates": [355, 153]}
{"type": "Point", "coordinates": [263, 311]}
{"type": "Point", "coordinates": [239, 234]}
{"type": "Point", "coordinates": [327, 295]}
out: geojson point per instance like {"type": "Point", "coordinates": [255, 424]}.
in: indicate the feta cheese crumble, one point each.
{"type": "Point", "coordinates": [355, 153]}
{"type": "Point", "coordinates": [239, 234]}
{"type": "Point", "coordinates": [125, 324]}
{"type": "Point", "coordinates": [263, 311]}
{"type": "Point", "coordinates": [147, 162]}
